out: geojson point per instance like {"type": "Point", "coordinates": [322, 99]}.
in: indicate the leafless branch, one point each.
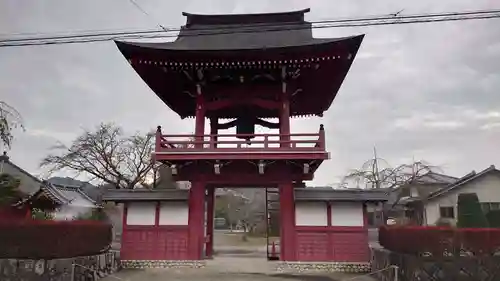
{"type": "Point", "coordinates": [10, 119]}
{"type": "Point", "coordinates": [106, 155]}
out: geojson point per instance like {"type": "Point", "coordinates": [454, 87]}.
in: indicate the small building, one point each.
{"type": "Point", "coordinates": [406, 203]}
{"type": "Point", "coordinates": [332, 224]}
{"type": "Point", "coordinates": [155, 223]}
{"type": "Point", "coordinates": [62, 201]}
{"type": "Point", "coordinates": [443, 203]}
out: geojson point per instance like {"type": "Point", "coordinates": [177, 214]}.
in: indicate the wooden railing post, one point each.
{"type": "Point", "coordinates": [266, 141]}
{"type": "Point", "coordinates": [158, 139]}
{"type": "Point", "coordinates": [321, 138]}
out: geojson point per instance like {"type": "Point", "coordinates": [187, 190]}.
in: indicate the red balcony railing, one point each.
{"type": "Point", "coordinates": [235, 144]}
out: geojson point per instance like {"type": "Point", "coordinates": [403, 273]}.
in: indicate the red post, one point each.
{"type": "Point", "coordinates": [321, 139]}
{"type": "Point", "coordinates": [210, 222]}
{"type": "Point", "coordinates": [287, 213]}
{"type": "Point", "coordinates": [199, 129]}
{"type": "Point", "coordinates": [214, 130]}
{"type": "Point", "coordinates": [285, 121]}
{"type": "Point", "coordinates": [273, 249]}
{"type": "Point", "coordinates": [158, 139]}
{"type": "Point", "coordinates": [196, 220]}
{"type": "Point", "coordinates": [28, 212]}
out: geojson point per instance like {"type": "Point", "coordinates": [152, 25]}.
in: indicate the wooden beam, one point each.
{"type": "Point", "coordinates": [221, 104]}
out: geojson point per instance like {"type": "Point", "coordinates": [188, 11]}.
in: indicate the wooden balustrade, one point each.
{"type": "Point", "coordinates": [235, 142]}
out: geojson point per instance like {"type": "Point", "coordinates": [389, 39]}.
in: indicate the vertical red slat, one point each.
{"type": "Point", "coordinates": [196, 220]}
{"type": "Point", "coordinates": [210, 221]}
{"type": "Point", "coordinates": [287, 213]}
{"type": "Point", "coordinates": [125, 245]}
{"type": "Point", "coordinates": [331, 250]}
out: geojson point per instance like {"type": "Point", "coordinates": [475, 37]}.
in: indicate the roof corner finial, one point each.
{"type": "Point", "coordinates": [4, 156]}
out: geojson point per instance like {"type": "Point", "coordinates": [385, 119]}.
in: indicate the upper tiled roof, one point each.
{"type": "Point", "coordinates": [462, 181]}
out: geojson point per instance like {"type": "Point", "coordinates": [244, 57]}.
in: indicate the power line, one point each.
{"type": "Point", "coordinates": [207, 31]}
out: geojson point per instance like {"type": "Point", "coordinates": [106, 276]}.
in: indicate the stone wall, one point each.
{"type": "Point", "coordinates": [60, 269]}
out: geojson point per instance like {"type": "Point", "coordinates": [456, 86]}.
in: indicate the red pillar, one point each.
{"type": "Point", "coordinates": [28, 212]}
{"type": "Point", "coordinates": [287, 217]}
{"type": "Point", "coordinates": [210, 222]}
{"type": "Point", "coordinates": [285, 120]}
{"type": "Point", "coordinates": [199, 129]}
{"type": "Point", "coordinates": [196, 220]}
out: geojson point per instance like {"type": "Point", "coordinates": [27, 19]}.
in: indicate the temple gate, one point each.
{"type": "Point", "coordinates": [240, 71]}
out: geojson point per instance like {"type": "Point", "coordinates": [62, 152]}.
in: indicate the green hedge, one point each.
{"type": "Point", "coordinates": [493, 218]}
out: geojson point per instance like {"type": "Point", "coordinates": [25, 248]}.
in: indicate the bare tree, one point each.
{"type": "Point", "coordinates": [246, 211]}
{"type": "Point", "coordinates": [10, 119]}
{"type": "Point", "coordinates": [106, 155]}
{"type": "Point", "coordinates": [377, 173]}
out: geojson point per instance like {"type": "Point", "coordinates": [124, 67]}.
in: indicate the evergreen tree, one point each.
{"type": "Point", "coordinates": [9, 192]}
{"type": "Point", "coordinates": [470, 214]}
{"type": "Point", "coordinates": [493, 218]}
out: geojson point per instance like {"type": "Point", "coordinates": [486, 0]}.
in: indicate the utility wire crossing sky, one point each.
{"type": "Point", "coordinates": [334, 23]}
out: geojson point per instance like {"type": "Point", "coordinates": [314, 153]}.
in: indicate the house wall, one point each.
{"type": "Point", "coordinates": [331, 231]}
{"type": "Point", "coordinates": [155, 231]}
{"type": "Point", "coordinates": [486, 187]}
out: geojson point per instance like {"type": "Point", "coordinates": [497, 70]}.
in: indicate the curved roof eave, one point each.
{"type": "Point", "coordinates": [177, 46]}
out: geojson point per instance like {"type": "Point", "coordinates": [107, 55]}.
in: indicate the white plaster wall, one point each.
{"type": "Point", "coordinates": [347, 214]}
{"type": "Point", "coordinates": [174, 213]}
{"type": "Point", "coordinates": [487, 189]}
{"type": "Point", "coordinates": [432, 212]}
{"type": "Point", "coordinates": [310, 214]}
{"type": "Point", "coordinates": [142, 213]}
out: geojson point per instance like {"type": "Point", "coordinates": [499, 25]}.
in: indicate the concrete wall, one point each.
{"type": "Point", "coordinates": [59, 269]}
{"type": "Point", "coordinates": [487, 189]}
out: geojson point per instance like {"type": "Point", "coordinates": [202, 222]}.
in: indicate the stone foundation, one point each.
{"type": "Point", "coordinates": [91, 268]}
{"type": "Point", "coordinates": [347, 267]}
{"type": "Point", "coordinates": [145, 264]}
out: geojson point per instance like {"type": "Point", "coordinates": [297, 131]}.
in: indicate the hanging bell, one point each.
{"type": "Point", "coordinates": [245, 126]}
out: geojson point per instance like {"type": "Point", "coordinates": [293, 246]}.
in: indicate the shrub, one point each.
{"type": "Point", "coordinates": [470, 214]}
{"type": "Point", "coordinates": [38, 214]}
{"type": "Point", "coordinates": [439, 240]}
{"type": "Point", "coordinates": [9, 192]}
{"type": "Point", "coordinates": [493, 218]}
{"type": "Point", "coordinates": [45, 239]}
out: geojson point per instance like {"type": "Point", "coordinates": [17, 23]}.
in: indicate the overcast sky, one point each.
{"type": "Point", "coordinates": [428, 91]}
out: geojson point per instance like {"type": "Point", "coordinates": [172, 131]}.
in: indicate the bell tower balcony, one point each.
{"type": "Point", "coordinates": [237, 156]}
{"type": "Point", "coordinates": [232, 147]}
